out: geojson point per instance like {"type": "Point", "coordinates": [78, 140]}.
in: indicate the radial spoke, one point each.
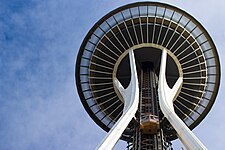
{"type": "Point", "coordinates": [192, 66]}
{"type": "Point", "coordinates": [191, 60]}
{"type": "Point", "coordinates": [114, 35]}
{"type": "Point", "coordinates": [121, 32]}
{"type": "Point", "coordinates": [101, 72]}
{"type": "Point", "coordinates": [189, 54]}
{"type": "Point", "coordinates": [193, 90]}
{"type": "Point", "coordinates": [187, 116]}
{"type": "Point", "coordinates": [195, 97]}
{"type": "Point", "coordinates": [93, 63]}
{"type": "Point", "coordinates": [175, 30]}
{"type": "Point", "coordinates": [142, 38]}
{"type": "Point", "coordinates": [113, 110]}
{"type": "Point", "coordinates": [124, 22]}
{"type": "Point", "coordinates": [105, 89]}
{"type": "Point", "coordinates": [161, 25]}
{"type": "Point", "coordinates": [98, 97]}
{"type": "Point", "coordinates": [103, 60]}
{"type": "Point", "coordinates": [109, 106]}
{"type": "Point", "coordinates": [99, 84]}
{"type": "Point", "coordinates": [167, 30]}
{"type": "Point", "coordinates": [104, 102]}
{"type": "Point", "coordinates": [111, 42]}
{"type": "Point", "coordinates": [99, 77]}
{"type": "Point", "coordinates": [184, 106]}
{"type": "Point", "coordinates": [154, 24]}
{"type": "Point", "coordinates": [135, 32]}
{"type": "Point", "coordinates": [197, 71]}
{"type": "Point", "coordinates": [190, 83]}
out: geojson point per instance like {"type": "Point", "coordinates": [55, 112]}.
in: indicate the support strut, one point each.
{"type": "Point", "coordinates": [166, 97]}
{"type": "Point", "coordinates": [131, 99]}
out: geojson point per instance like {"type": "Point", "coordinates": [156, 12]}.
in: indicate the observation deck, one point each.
{"type": "Point", "coordinates": [147, 28]}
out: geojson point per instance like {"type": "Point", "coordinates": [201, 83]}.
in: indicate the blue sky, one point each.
{"type": "Point", "coordinates": [39, 104]}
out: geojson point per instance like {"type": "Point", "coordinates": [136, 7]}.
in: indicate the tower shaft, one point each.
{"type": "Point", "coordinates": [148, 135]}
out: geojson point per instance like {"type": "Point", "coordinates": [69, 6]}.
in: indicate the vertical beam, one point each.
{"type": "Point", "coordinates": [131, 99]}
{"type": "Point", "coordinates": [166, 97]}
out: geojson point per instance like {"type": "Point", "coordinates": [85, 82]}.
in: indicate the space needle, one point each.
{"type": "Point", "coordinates": [148, 73]}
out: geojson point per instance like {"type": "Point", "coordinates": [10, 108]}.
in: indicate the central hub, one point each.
{"type": "Point", "coordinates": [147, 54]}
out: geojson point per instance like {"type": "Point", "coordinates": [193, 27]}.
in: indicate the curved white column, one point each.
{"type": "Point", "coordinates": [131, 99]}
{"type": "Point", "coordinates": [166, 97]}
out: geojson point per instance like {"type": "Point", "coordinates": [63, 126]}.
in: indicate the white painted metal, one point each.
{"type": "Point", "coordinates": [131, 99]}
{"type": "Point", "coordinates": [166, 97]}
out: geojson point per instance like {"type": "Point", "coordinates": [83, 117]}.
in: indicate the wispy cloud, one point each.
{"type": "Point", "coordinates": [39, 40]}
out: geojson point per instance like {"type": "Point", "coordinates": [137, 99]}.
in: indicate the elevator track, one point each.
{"type": "Point", "coordinates": [148, 134]}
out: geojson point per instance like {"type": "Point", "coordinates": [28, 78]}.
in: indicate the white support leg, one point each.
{"type": "Point", "coordinates": [166, 97]}
{"type": "Point", "coordinates": [131, 99]}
